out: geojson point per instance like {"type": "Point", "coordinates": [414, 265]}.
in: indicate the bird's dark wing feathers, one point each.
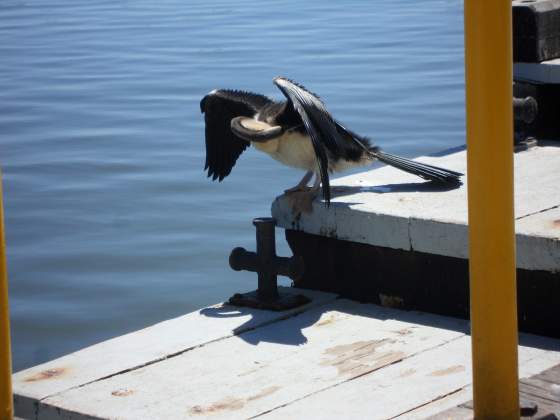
{"type": "Point", "coordinates": [330, 138]}
{"type": "Point", "coordinates": [223, 148]}
{"type": "Point", "coordinates": [310, 104]}
{"type": "Point", "coordinates": [318, 124]}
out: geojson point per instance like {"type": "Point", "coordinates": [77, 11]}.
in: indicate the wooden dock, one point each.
{"type": "Point", "coordinates": [333, 358]}
{"type": "Point", "coordinates": [389, 235]}
{"type": "Point", "coordinates": [389, 208]}
{"type": "Point", "coordinates": [336, 357]}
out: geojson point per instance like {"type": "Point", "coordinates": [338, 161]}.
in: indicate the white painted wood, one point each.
{"type": "Point", "coordinates": [392, 391]}
{"type": "Point", "coordinates": [341, 360]}
{"type": "Point", "coordinates": [390, 208]}
{"type": "Point", "coordinates": [545, 224]}
{"type": "Point", "coordinates": [262, 369]}
{"type": "Point", "coordinates": [445, 403]}
{"type": "Point", "coordinates": [543, 72]}
{"type": "Point", "coordinates": [399, 389]}
{"type": "Point", "coordinates": [531, 363]}
{"type": "Point", "coordinates": [539, 239]}
{"type": "Point", "coordinates": [144, 347]}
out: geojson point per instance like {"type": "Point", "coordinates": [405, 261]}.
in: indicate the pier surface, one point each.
{"type": "Point", "coordinates": [336, 357]}
{"type": "Point", "coordinates": [333, 358]}
{"type": "Point", "coordinates": [386, 207]}
{"type": "Point", "coordinates": [391, 237]}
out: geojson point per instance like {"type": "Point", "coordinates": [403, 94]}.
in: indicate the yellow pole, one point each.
{"type": "Point", "coordinates": [6, 404]}
{"type": "Point", "coordinates": [488, 72]}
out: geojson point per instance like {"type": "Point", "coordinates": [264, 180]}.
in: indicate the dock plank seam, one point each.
{"type": "Point", "coordinates": [523, 382]}
{"type": "Point", "coordinates": [356, 377]}
{"type": "Point", "coordinates": [438, 398]}
{"type": "Point", "coordinates": [538, 212]}
{"type": "Point", "coordinates": [236, 332]}
{"type": "Point", "coordinates": [530, 388]}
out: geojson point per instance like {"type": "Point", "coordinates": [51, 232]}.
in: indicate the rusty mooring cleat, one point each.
{"type": "Point", "coordinates": [267, 265]}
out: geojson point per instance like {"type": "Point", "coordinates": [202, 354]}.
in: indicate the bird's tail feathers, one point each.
{"type": "Point", "coordinates": [423, 170]}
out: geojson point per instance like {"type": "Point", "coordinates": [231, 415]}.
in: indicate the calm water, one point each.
{"type": "Point", "coordinates": [111, 224]}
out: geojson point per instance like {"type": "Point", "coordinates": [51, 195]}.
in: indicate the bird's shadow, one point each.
{"type": "Point", "coordinates": [427, 186]}
{"type": "Point", "coordinates": [403, 187]}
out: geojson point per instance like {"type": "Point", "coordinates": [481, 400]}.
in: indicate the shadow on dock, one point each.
{"type": "Point", "coordinates": [291, 330]}
{"type": "Point", "coordinates": [428, 186]}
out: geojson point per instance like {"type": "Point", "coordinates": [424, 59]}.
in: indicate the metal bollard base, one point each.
{"type": "Point", "coordinates": [282, 302]}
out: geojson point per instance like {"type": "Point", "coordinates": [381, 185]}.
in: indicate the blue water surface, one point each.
{"type": "Point", "coordinates": [111, 223]}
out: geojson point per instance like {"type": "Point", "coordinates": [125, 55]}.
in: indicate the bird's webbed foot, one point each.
{"type": "Point", "coordinates": [302, 185]}
{"type": "Point", "coordinates": [300, 197]}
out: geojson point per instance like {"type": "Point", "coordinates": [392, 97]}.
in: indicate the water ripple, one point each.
{"type": "Point", "coordinates": [111, 222]}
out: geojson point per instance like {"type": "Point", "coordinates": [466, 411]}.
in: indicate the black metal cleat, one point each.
{"type": "Point", "coordinates": [267, 265]}
{"type": "Point", "coordinates": [525, 111]}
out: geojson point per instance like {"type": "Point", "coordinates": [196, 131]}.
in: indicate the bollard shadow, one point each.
{"type": "Point", "coordinates": [261, 325]}
{"type": "Point", "coordinates": [294, 328]}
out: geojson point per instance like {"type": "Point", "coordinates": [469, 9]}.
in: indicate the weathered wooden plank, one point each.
{"type": "Point", "coordinates": [551, 375]}
{"type": "Point", "coordinates": [542, 389]}
{"type": "Point", "coordinates": [532, 361]}
{"type": "Point", "coordinates": [263, 369]}
{"type": "Point", "coordinates": [439, 405]}
{"type": "Point", "coordinates": [538, 239]}
{"type": "Point", "coordinates": [424, 378]}
{"type": "Point", "coordinates": [143, 347]}
{"type": "Point", "coordinates": [455, 413]}
{"type": "Point", "coordinates": [388, 208]}
{"type": "Point", "coordinates": [391, 391]}
{"type": "Point", "coordinates": [545, 395]}
{"type": "Point", "coordinates": [544, 405]}
{"type": "Point", "coordinates": [373, 207]}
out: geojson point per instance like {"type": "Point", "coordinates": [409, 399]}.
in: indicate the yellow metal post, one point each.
{"type": "Point", "coordinates": [488, 72]}
{"type": "Point", "coordinates": [6, 404]}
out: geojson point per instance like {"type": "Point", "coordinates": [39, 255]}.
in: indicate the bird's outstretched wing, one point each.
{"type": "Point", "coordinates": [222, 146]}
{"type": "Point", "coordinates": [318, 123]}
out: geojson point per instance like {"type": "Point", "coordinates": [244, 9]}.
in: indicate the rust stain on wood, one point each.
{"type": "Point", "coordinates": [231, 403]}
{"type": "Point", "coordinates": [46, 374]}
{"type": "Point", "coordinates": [123, 392]}
{"type": "Point", "coordinates": [264, 393]}
{"type": "Point", "coordinates": [361, 357]}
{"type": "Point", "coordinates": [228, 403]}
{"type": "Point", "coordinates": [448, 371]}
{"type": "Point", "coordinates": [357, 348]}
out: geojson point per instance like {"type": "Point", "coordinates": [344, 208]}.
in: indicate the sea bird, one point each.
{"type": "Point", "coordinates": [298, 132]}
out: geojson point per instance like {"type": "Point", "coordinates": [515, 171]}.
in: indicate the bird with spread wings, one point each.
{"type": "Point", "coordinates": [298, 132]}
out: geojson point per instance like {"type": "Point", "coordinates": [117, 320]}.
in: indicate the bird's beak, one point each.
{"type": "Point", "coordinates": [253, 130]}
